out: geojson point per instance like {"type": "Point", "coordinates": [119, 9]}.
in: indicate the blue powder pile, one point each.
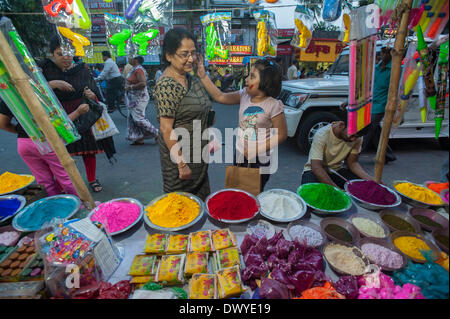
{"type": "Point", "coordinates": [8, 207]}
{"type": "Point", "coordinates": [45, 211]}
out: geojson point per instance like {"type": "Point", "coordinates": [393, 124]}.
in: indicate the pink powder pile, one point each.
{"type": "Point", "coordinates": [116, 216]}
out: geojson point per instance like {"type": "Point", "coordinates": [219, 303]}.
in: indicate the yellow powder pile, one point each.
{"type": "Point", "coordinates": [411, 246]}
{"type": "Point", "coordinates": [173, 211]}
{"type": "Point", "coordinates": [10, 182]}
{"type": "Point", "coordinates": [419, 193]}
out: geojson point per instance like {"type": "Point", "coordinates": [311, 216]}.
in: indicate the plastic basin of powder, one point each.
{"type": "Point", "coordinates": [123, 200]}
{"type": "Point", "coordinates": [352, 230]}
{"type": "Point", "coordinates": [403, 215]}
{"type": "Point", "coordinates": [387, 244]}
{"type": "Point", "coordinates": [19, 189]}
{"type": "Point", "coordinates": [376, 220]}
{"type": "Point", "coordinates": [20, 198]}
{"type": "Point", "coordinates": [232, 221]}
{"type": "Point", "coordinates": [308, 224]}
{"type": "Point", "coordinates": [430, 214]}
{"type": "Point", "coordinates": [435, 250]}
{"type": "Point", "coordinates": [440, 232]}
{"type": "Point", "coordinates": [16, 223]}
{"type": "Point", "coordinates": [290, 194]}
{"type": "Point", "coordinates": [416, 203]}
{"type": "Point", "coordinates": [196, 219]}
{"type": "Point", "coordinates": [325, 212]}
{"type": "Point", "coordinates": [372, 206]}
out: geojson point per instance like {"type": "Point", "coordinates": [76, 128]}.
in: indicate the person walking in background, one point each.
{"type": "Point", "coordinates": [136, 98]}
{"type": "Point", "coordinates": [292, 71]}
{"type": "Point", "coordinates": [127, 68]}
{"type": "Point", "coordinates": [303, 73]}
{"type": "Point", "coordinates": [102, 85]}
{"type": "Point", "coordinates": [157, 74]}
{"type": "Point", "coordinates": [380, 95]}
{"type": "Point", "coordinates": [114, 79]}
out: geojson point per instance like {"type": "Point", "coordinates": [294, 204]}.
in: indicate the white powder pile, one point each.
{"type": "Point", "coordinates": [280, 206]}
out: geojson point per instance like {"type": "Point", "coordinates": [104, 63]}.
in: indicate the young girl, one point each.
{"type": "Point", "coordinates": [259, 113]}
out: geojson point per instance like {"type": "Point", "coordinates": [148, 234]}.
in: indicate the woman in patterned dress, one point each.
{"type": "Point", "coordinates": [182, 103]}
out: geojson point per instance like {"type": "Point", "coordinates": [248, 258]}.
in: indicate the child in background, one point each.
{"type": "Point", "coordinates": [259, 109]}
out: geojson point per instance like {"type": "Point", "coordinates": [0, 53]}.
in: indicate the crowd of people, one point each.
{"type": "Point", "coordinates": [181, 98]}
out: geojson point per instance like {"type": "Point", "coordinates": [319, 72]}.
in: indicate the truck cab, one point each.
{"type": "Point", "coordinates": [312, 103]}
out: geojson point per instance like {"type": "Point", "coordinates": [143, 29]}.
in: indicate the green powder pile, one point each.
{"type": "Point", "coordinates": [323, 196]}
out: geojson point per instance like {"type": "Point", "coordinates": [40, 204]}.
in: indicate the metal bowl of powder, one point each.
{"type": "Point", "coordinates": [271, 200]}
{"type": "Point", "coordinates": [370, 226]}
{"type": "Point", "coordinates": [22, 201]}
{"type": "Point", "coordinates": [391, 261]}
{"type": "Point", "coordinates": [321, 211]}
{"type": "Point", "coordinates": [24, 186]}
{"type": "Point", "coordinates": [194, 221]}
{"type": "Point", "coordinates": [414, 202]}
{"type": "Point", "coordinates": [124, 200]}
{"type": "Point", "coordinates": [345, 259]}
{"type": "Point", "coordinates": [305, 230]}
{"type": "Point", "coordinates": [372, 206]}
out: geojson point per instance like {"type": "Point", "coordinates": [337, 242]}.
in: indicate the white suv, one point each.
{"type": "Point", "coordinates": [315, 102]}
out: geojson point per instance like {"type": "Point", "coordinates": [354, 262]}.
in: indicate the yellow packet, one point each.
{"type": "Point", "coordinates": [177, 244]}
{"type": "Point", "coordinates": [155, 244]}
{"type": "Point", "coordinates": [200, 241]}
{"type": "Point", "coordinates": [226, 258]}
{"type": "Point", "coordinates": [196, 262]}
{"type": "Point", "coordinates": [170, 270]}
{"type": "Point", "coordinates": [143, 265]}
{"type": "Point", "coordinates": [203, 286]}
{"type": "Point", "coordinates": [223, 238]}
{"type": "Point", "coordinates": [142, 279]}
{"type": "Point", "coordinates": [229, 282]}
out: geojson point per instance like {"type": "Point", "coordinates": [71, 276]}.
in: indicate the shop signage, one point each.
{"type": "Point", "coordinates": [321, 50]}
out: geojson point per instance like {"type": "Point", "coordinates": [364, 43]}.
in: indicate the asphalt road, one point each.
{"type": "Point", "coordinates": [137, 173]}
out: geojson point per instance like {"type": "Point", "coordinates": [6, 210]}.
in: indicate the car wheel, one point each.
{"type": "Point", "coordinates": [310, 125]}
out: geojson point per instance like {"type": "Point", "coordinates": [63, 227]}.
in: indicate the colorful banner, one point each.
{"type": "Point", "coordinates": [240, 49]}
{"type": "Point", "coordinates": [320, 50]}
{"type": "Point", "coordinates": [234, 60]}
{"type": "Point", "coordinates": [285, 34]}
{"type": "Point", "coordinates": [98, 10]}
{"type": "Point", "coordinates": [285, 49]}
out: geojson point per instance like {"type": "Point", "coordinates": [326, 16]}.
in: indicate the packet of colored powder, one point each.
{"type": "Point", "coordinates": [170, 270]}
{"type": "Point", "coordinates": [177, 244]}
{"type": "Point", "coordinates": [226, 258]}
{"type": "Point", "coordinates": [203, 286]}
{"type": "Point", "coordinates": [155, 244]}
{"type": "Point", "coordinates": [200, 241]}
{"type": "Point", "coordinates": [223, 238]}
{"type": "Point", "coordinates": [196, 262]}
{"type": "Point", "coordinates": [143, 265]}
{"type": "Point", "coordinates": [229, 282]}
{"type": "Point", "coordinates": [142, 279]}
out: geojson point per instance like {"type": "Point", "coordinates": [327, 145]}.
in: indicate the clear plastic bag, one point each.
{"type": "Point", "coordinates": [118, 33]}
{"type": "Point", "coordinates": [156, 12]}
{"type": "Point", "coordinates": [57, 115]}
{"type": "Point", "coordinates": [145, 39]}
{"type": "Point", "coordinates": [332, 10]}
{"type": "Point", "coordinates": [267, 33]}
{"type": "Point", "coordinates": [217, 32]}
{"type": "Point", "coordinates": [365, 21]}
{"type": "Point", "coordinates": [304, 22]}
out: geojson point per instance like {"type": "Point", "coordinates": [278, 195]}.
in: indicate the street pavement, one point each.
{"type": "Point", "coordinates": [137, 173]}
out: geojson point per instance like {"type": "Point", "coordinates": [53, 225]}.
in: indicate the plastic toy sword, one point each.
{"type": "Point", "coordinates": [442, 87]}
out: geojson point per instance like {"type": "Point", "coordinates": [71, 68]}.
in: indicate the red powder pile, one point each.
{"type": "Point", "coordinates": [232, 205]}
{"type": "Point", "coordinates": [371, 192]}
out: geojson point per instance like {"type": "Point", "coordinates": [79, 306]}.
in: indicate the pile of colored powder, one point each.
{"type": "Point", "coordinates": [10, 182]}
{"type": "Point", "coordinates": [438, 187]}
{"type": "Point", "coordinates": [7, 238]}
{"type": "Point", "coordinates": [427, 221]}
{"type": "Point", "coordinates": [419, 193]}
{"type": "Point", "coordinates": [345, 259]}
{"type": "Point", "coordinates": [382, 256]}
{"type": "Point", "coordinates": [411, 246]}
{"type": "Point", "coordinates": [371, 192]}
{"type": "Point", "coordinates": [44, 211]}
{"type": "Point", "coordinates": [306, 234]}
{"type": "Point", "coordinates": [323, 196]}
{"type": "Point", "coordinates": [173, 211]}
{"type": "Point", "coordinates": [398, 223]}
{"type": "Point", "coordinates": [8, 207]}
{"type": "Point", "coordinates": [369, 227]}
{"type": "Point", "coordinates": [232, 205]}
{"type": "Point", "coordinates": [116, 216]}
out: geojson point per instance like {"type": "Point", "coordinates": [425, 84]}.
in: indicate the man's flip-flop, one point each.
{"type": "Point", "coordinates": [95, 185]}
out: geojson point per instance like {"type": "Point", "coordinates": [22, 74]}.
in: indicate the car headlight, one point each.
{"type": "Point", "coordinates": [297, 99]}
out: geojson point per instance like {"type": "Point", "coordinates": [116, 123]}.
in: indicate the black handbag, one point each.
{"type": "Point", "coordinates": [85, 121]}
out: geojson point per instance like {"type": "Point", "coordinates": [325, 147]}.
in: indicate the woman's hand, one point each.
{"type": "Point", "coordinates": [201, 72]}
{"type": "Point", "coordinates": [128, 87]}
{"type": "Point", "coordinates": [82, 109]}
{"type": "Point", "coordinates": [61, 85]}
{"type": "Point", "coordinates": [89, 94]}
{"type": "Point", "coordinates": [185, 172]}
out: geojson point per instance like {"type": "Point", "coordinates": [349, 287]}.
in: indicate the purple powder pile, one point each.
{"type": "Point", "coordinates": [371, 192]}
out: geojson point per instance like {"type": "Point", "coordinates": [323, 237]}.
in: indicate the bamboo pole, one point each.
{"type": "Point", "coordinates": [397, 55]}
{"type": "Point", "coordinates": [21, 82]}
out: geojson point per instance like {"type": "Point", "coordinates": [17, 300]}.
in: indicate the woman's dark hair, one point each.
{"type": "Point", "coordinates": [172, 41]}
{"type": "Point", "coordinates": [139, 59]}
{"type": "Point", "coordinates": [270, 77]}
{"type": "Point", "coordinates": [55, 43]}
{"type": "Point", "coordinates": [106, 54]}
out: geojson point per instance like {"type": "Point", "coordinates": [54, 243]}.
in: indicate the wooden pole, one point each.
{"type": "Point", "coordinates": [397, 56]}
{"type": "Point", "coordinates": [21, 81]}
